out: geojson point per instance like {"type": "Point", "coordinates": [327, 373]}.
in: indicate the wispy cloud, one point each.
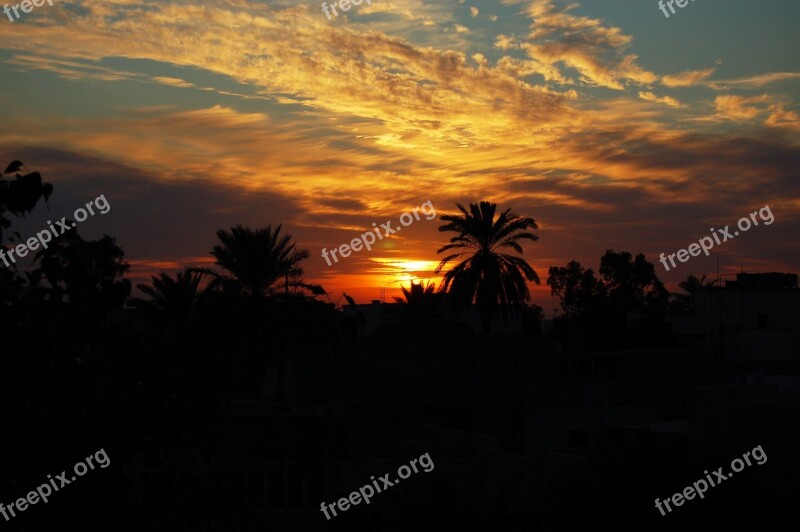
{"type": "Point", "coordinates": [651, 97]}
{"type": "Point", "coordinates": [686, 79]}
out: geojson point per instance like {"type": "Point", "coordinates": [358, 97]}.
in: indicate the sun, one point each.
{"type": "Point", "coordinates": [397, 272]}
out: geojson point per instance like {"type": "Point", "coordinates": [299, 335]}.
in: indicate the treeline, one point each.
{"type": "Point", "coordinates": [86, 366]}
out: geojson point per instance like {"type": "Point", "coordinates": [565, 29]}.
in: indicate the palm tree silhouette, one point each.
{"type": "Point", "coordinates": [486, 275]}
{"type": "Point", "coordinates": [260, 263]}
{"type": "Point", "coordinates": [263, 267]}
{"type": "Point", "coordinates": [685, 302]}
{"type": "Point", "coordinates": [692, 284]}
{"type": "Point", "coordinates": [418, 311]}
{"type": "Point", "coordinates": [175, 298]}
{"type": "Point", "coordinates": [417, 293]}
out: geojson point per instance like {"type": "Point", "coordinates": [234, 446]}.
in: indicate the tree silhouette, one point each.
{"type": "Point", "coordinates": [486, 275]}
{"type": "Point", "coordinates": [632, 283]}
{"type": "Point", "coordinates": [578, 288]}
{"type": "Point", "coordinates": [259, 263]}
{"type": "Point", "coordinates": [626, 306]}
{"type": "Point", "coordinates": [175, 298]}
{"type": "Point", "coordinates": [692, 284]}
{"type": "Point", "coordinates": [636, 295]}
{"type": "Point", "coordinates": [584, 300]}
{"type": "Point", "coordinates": [417, 293]}
{"type": "Point", "coordinates": [17, 197]}
{"type": "Point", "coordinates": [262, 270]}
{"type": "Point", "coordinates": [20, 196]}
{"type": "Point", "coordinates": [417, 312]}
{"type": "Point", "coordinates": [683, 303]}
{"type": "Point", "coordinates": [87, 274]}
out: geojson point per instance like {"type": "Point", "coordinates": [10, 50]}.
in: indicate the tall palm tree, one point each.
{"type": "Point", "coordinates": [485, 275]}
{"type": "Point", "coordinates": [260, 263]}
{"type": "Point", "coordinates": [263, 266]}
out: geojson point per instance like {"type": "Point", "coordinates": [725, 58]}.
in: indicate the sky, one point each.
{"type": "Point", "coordinates": [612, 125]}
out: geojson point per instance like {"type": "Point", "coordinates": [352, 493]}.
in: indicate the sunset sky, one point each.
{"type": "Point", "coordinates": [611, 125]}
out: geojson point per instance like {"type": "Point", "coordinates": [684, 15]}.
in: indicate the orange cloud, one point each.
{"type": "Point", "coordinates": [686, 79]}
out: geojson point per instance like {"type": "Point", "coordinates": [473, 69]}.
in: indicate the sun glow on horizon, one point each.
{"type": "Point", "coordinates": [398, 272]}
